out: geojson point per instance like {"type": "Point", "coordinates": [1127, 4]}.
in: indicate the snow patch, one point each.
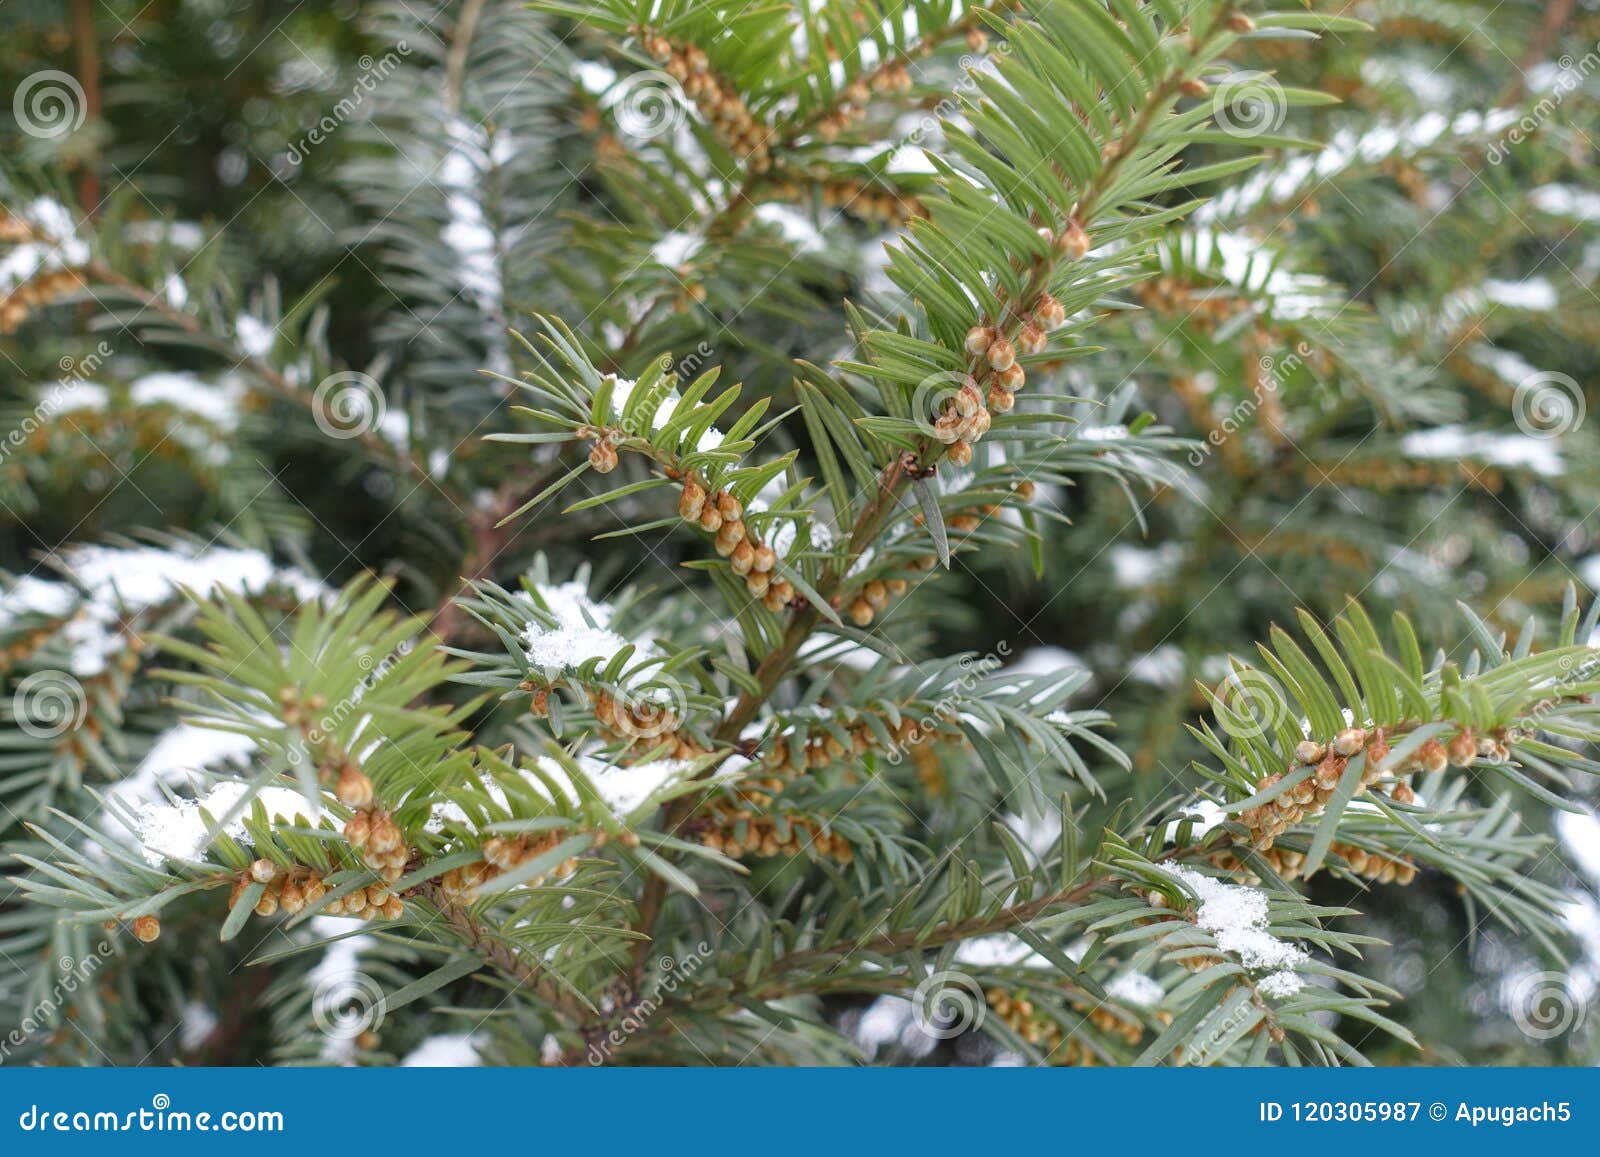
{"type": "Point", "coordinates": [34, 596]}
{"type": "Point", "coordinates": [796, 227]}
{"type": "Point", "coordinates": [1046, 661]}
{"type": "Point", "coordinates": [1208, 816]}
{"type": "Point", "coordinates": [675, 247]}
{"type": "Point", "coordinates": [196, 1023]}
{"type": "Point", "coordinates": [112, 582]}
{"type": "Point", "coordinates": [1280, 985]}
{"type": "Point", "coordinates": [190, 748]}
{"type": "Point", "coordinates": [1136, 989]}
{"type": "Point", "coordinates": [177, 831]}
{"type": "Point", "coordinates": [461, 174]}
{"type": "Point", "coordinates": [57, 246]}
{"type": "Point", "coordinates": [1567, 201]}
{"type": "Point", "coordinates": [448, 1050]}
{"type": "Point", "coordinates": [581, 632]}
{"type": "Point", "coordinates": [215, 404]}
{"type": "Point", "coordinates": [838, 652]}
{"type": "Point", "coordinates": [1115, 433]}
{"type": "Point", "coordinates": [1535, 294]}
{"type": "Point", "coordinates": [593, 76]}
{"type": "Point", "coordinates": [144, 576]}
{"type": "Point", "coordinates": [1133, 567]}
{"type": "Point", "coordinates": [622, 389]}
{"type": "Point", "coordinates": [254, 336]}
{"type": "Point", "coordinates": [1162, 667]}
{"type": "Point", "coordinates": [337, 974]}
{"type": "Point", "coordinates": [1513, 451]}
{"type": "Point", "coordinates": [184, 235]}
{"type": "Point", "coordinates": [1000, 950]}
{"type": "Point", "coordinates": [1252, 268]}
{"type": "Point", "coordinates": [1581, 834]}
{"type": "Point", "coordinates": [622, 789]}
{"type": "Point", "coordinates": [1236, 916]}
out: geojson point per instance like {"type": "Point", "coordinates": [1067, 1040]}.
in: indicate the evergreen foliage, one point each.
{"type": "Point", "coordinates": [700, 532]}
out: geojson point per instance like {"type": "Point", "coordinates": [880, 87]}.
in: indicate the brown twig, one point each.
{"type": "Point", "coordinates": [460, 46]}
{"type": "Point", "coordinates": [502, 956]}
{"type": "Point", "coordinates": [87, 48]}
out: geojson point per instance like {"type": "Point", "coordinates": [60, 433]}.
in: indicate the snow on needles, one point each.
{"type": "Point", "coordinates": [189, 748]}
{"type": "Point", "coordinates": [1135, 989]}
{"type": "Point", "coordinates": [143, 576]}
{"type": "Point", "coordinates": [999, 949]}
{"type": "Point", "coordinates": [177, 831]}
{"type": "Point", "coordinates": [34, 596]}
{"type": "Point", "coordinates": [622, 789]}
{"type": "Point", "coordinates": [1511, 451]}
{"type": "Point", "coordinates": [1280, 985]}
{"type": "Point", "coordinates": [55, 244]}
{"type": "Point", "coordinates": [1236, 917]}
{"type": "Point", "coordinates": [115, 581]}
{"type": "Point", "coordinates": [582, 630]}
{"type": "Point", "coordinates": [1207, 817]}
{"type": "Point", "coordinates": [622, 390]}
{"type": "Point", "coordinates": [446, 1050]}
{"type": "Point", "coordinates": [182, 750]}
